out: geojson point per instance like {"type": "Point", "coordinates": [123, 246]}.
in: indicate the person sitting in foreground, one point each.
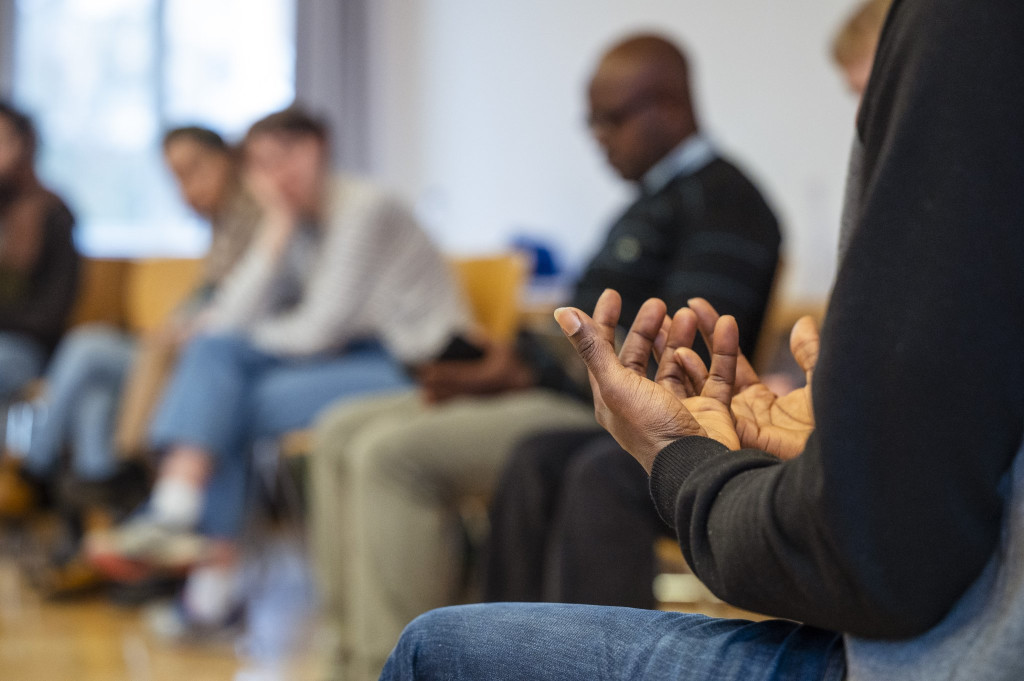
{"type": "Point", "coordinates": [891, 536]}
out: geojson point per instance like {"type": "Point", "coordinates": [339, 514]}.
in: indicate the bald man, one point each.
{"type": "Point", "coordinates": [571, 518]}
{"type": "Point", "coordinates": [390, 475]}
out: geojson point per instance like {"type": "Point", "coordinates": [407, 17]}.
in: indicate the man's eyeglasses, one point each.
{"type": "Point", "coordinates": [616, 118]}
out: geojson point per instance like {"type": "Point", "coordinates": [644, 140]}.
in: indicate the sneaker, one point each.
{"type": "Point", "coordinates": [140, 546]}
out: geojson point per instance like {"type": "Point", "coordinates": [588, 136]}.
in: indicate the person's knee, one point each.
{"type": "Point", "coordinates": [85, 350]}
{"type": "Point", "coordinates": [215, 348]}
{"type": "Point", "coordinates": [333, 429]}
{"type": "Point", "coordinates": [427, 643]}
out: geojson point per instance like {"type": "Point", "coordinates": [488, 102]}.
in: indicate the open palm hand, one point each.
{"type": "Point", "coordinates": [643, 415]}
{"type": "Point", "coordinates": [776, 424]}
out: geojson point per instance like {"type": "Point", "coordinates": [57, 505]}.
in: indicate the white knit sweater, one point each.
{"type": "Point", "coordinates": [368, 272]}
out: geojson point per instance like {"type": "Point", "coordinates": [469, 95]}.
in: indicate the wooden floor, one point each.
{"type": "Point", "coordinates": [93, 640]}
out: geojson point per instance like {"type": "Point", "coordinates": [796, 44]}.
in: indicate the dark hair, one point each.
{"type": "Point", "coordinates": [23, 125]}
{"type": "Point", "coordinates": [201, 136]}
{"type": "Point", "coordinates": [293, 121]}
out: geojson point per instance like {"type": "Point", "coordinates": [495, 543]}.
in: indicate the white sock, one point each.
{"type": "Point", "coordinates": [211, 592]}
{"type": "Point", "coordinates": [176, 502]}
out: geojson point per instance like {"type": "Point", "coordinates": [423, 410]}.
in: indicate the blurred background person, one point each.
{"type": "Point", "coordinates": [339, 293]}
{"type": "Point", "coordinates": [39, 270]}
{"type": "Point", "coordinates": [853, 48]}
{"type": "Point", "coordinates": [572, 520]}
{"type": "Point", "coordinates": [85, 383]}
{"type": "Point", "coordinates": [38, 260]}
{"type": "Point", "coordinates": [562, 525]}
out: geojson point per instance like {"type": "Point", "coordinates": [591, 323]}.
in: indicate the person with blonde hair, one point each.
{"type": "Point", "coordinates": [853, 48]}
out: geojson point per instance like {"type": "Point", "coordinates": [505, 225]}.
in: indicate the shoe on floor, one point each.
{"type": "Point", "coordinates": [71, 579]}
{"type": "Point", "coordinates": [141, 546]}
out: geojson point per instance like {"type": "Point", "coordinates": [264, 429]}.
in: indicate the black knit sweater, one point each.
{"type": "Point", "coordinates": [895, 506]}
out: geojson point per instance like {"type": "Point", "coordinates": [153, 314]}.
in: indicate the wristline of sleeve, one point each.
{"type": "Point", "coordinates": [673, 465]}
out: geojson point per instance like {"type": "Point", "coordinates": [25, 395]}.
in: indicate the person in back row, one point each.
{"type": "Point", "coordinates": [94, 363]}
{"type": "Point", "coordinates": [853, 48]}
{"type": "Point", "coordinates": [572, 520]}
{"type": "Point", "coordinates": [38, 261]}
{"type": "Point", "coordinates": [390, 474]}
{"type": "Point", "coordinates": [310, 321]}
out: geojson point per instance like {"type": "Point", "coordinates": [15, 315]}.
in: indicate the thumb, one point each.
{"type": "Point", "coordinates": [804, 343]}
{"type": "Point", "coordinates": [596, 351]}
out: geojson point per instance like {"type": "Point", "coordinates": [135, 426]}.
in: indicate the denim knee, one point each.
{"type": "Point", "coordinates": [425, 645]}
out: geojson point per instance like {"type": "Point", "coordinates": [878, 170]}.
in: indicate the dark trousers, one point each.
{"type": "Point", "coordinates": [572, 521]}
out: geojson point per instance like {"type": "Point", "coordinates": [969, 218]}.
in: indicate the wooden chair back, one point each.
{"type": "Point", "coordinates": [493, 287]}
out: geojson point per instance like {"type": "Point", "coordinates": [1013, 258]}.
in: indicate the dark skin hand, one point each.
{"type": "Point", "coordinates": [776, 424]}
{"type": "Point", "coordinates": [685, 398]}
{"type": "Point", "coordinates": [499, 370]}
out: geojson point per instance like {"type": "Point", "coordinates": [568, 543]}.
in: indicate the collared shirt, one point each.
{"type": "Point", "coordinates": [692, 154]}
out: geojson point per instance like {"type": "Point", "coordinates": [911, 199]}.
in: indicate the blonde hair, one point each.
{"type": "Point", "coordinates": [858, 37]}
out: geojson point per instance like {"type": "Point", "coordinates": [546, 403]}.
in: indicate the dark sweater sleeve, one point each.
{"type": "Point", "coordinates": [895, 506]}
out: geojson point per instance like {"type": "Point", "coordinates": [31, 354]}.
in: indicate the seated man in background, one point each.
{"type": "Point", "coordinates": [893, 543]}
{"type": "Point", "coordinates": [390, 474]}
{"type": "Point", "coordinates": [93, 363]}
{"type": "Point", "coordinates": [307, 318]}
{"type": "Point", "coordinates": [38, 260]}
{"type": "Point", "coordinates": [571, 519]}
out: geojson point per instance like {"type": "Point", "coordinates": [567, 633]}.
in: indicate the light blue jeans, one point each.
{"type": "Point", "coordinates": [21, 361]}
{"type": "Point", "coordinates": [556, 642]}
{"type": "Point", "coordinates": [83, 391]}
{"type": "Point", "coordinates": [226, 394]}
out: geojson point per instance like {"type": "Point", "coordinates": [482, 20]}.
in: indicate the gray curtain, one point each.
{"type": "Point", "coordinates": [331, 73]}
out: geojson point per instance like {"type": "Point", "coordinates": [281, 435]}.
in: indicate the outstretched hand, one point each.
{"type": "Point", "coordinates": [776, 424]}
{"type": "Point", "coordinates": [645, 416]}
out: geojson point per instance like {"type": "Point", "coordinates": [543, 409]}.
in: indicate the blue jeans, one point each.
{"type": "Point", "coordinates": [21, 361]}
{"type": "Point", "coordinates": [556, 642]}
{"type": "Point", "coordinates": [226, 395]}
{"type": "Point", "coordinates": [83, 391]}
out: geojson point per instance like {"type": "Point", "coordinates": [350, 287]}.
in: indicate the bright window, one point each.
{"type": "Point", "coordinates": [104, 79]}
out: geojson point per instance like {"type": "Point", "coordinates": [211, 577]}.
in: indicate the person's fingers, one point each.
{"type": "Point", "coordinates": [804, 343]}
{"type": "Point", "coordinates": [724, 358]}
{"type": "Point", "coordinates": [693, 367]}
{"type": "Point", "coordinates": [707, 318]}
{"type": "Point", "coordinates": [636, 349]}
{"type": "Point", "coordinates": [680, 334]}
{"type": "Point", "coordinates": [662, 340]}
{"type": "Point", "coordinates": [607, 313]}
{"type": "Point", "coordinates": [683, 330]}
{"type": "Point", "coordinates": [591, 340]}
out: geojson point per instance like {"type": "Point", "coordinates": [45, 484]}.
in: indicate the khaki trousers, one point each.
{"type": "Point", "coordinates": [388, 477]}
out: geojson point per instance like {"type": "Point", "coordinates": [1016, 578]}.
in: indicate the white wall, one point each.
{"type": "Point", "coordinates": [478, 109]}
